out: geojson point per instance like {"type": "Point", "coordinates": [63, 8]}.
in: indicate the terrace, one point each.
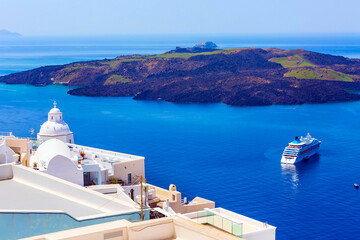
{"type": "Point", "coordinates": [41, 204]}
{"type": "Point", "coordinates": [170, 228]}
{"type": "Point", "coordinates": [94, 156]}
{"type": "Point", "coordinates": [9, 135]}
{"type": "Point", "coordinates": [233, 223]}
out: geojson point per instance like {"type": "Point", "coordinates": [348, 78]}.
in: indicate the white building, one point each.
{"type": "Point", "coordinates": [55, 127]}
{"type": "Point", "coordinates": [122, 167]}
{"type": "Point", "coordinates": [57, 155]}
{"type": "Point", "coordinates": [7, 155]}
{"type": "Point", "coordinates": [13, 149]}
{"type": "Point", "coordinates": [55, 158]}
{"type": "Point", "coordinates": [85, 165]}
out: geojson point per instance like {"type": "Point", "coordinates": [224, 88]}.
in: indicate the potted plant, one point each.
{"type": "Point", "coordinates": [114, 181]}
{"type": "Point", "coordinates": [35, 164]}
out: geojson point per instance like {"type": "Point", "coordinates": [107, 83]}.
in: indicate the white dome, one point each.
{"type": "Point", "coordinates": [55, 110]}
{"type": "Point", "coordinates": [51, 148]}
{"type": "Point", "coordinates": [55, 125]}
{"type": "Point", "coordinates": [54, 129]}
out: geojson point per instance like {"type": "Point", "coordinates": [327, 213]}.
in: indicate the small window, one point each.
{"type": "Point", "coordinates": [70, 141]}
{"type": "Point", "coordinates": [52, 118]}
{"type": "Point", "coordinates": [60, 117]}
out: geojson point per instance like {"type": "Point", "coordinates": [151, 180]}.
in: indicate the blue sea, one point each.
{"type": "Point", "coordinates": [227, 154]}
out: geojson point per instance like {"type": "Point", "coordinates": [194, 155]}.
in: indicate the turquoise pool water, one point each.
{"type": "Point", "coordinates": [21, 225]}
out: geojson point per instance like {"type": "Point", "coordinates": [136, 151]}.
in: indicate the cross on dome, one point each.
{"type": "Point", "coordinates": [55, 104]}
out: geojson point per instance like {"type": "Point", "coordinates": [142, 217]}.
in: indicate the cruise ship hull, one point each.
{"type": "Point", "coordinates": [301, 156]}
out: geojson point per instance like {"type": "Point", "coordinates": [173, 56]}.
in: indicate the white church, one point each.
{"type": "Point", "coordinates": [55, 153]}
{"type": "Point", "coordinates": [55, 128]}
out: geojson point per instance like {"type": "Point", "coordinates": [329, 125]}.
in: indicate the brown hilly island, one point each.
{"type": "Point", "coordinates": [240, 77]}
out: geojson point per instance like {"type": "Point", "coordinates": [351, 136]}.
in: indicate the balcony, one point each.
{"type": "Point", "coordinates": [217, 220]}
{"type": "Point", "coordinates": [238, 225]}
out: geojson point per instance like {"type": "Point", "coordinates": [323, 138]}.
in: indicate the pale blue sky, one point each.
{"type": "Point", "coordinates": [115, 17]}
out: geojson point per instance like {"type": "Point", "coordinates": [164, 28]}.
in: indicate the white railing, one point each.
{"type": "Point", "coordinates": [104, 153]}
{"type": "Point", "coordinates": [6, 134]}
{"type": "Point", "coordinates": [10, 134]}
{"type": "Point", "coordinates": [28, 138]}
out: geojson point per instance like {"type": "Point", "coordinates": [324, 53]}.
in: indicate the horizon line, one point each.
{"type": "Point", "coordinates": [188, 34]}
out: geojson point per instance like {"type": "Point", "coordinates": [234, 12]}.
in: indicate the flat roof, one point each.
{"type": "Point", "coordinates": [36, 203]}
{"type": "Point", "coordinates": [17, 196]}
{"type": "Point", "coordinates": [23, 189]}
{"type": "Point", "coordinates": [104, 155]}
{"type": "Point", "coordinates": [169, 228]}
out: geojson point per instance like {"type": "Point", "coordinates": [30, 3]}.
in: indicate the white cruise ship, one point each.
{"type": "Point", "coordinates": [300, 149]}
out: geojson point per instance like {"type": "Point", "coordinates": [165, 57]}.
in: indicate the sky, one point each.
{"type": "Point", "coordinates": [118, 17]}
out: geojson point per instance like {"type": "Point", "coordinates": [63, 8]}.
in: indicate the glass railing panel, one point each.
{"type": "Point", "coordinates": [202, 217]}
{"type": "Point", "coordinates": [210, 218]}
{"type": "Point", "coordinates": [218, 221]}
{"type": "Point", "coordinates": [237, 229]}
{"type": "Point", "coordinates": [227, 225]}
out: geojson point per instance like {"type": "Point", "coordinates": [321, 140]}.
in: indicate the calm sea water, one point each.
{"type": "Point", "coordinates": [228, 154]}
